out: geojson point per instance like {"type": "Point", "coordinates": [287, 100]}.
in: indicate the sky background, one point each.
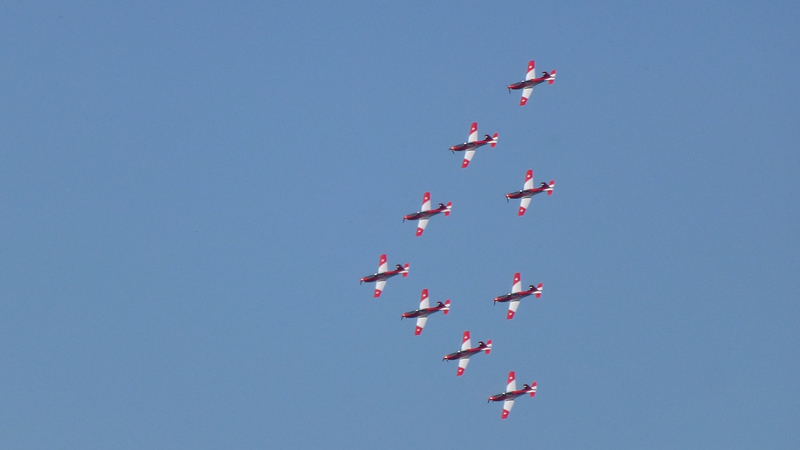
{"type": "Point", "coordinates": [191, 192]}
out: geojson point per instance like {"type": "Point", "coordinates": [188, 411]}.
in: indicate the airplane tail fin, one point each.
{"type": "Point", "coordinates": [488, 346]}
{"type": "Point", "coordinates": [405, 270]}
{"type": "Point", "coordinates": [552, 77]}
{"type": "Point", "coordinates": [533, 389]}
{"type": "Point", "coordinates": [446, 308]}
{"type": "Point", "coordinates": [449, 207]}
{"type": "Point", "coordinates": [551, 186]}
{"type": "Point", "coordinates": [539, 290]}
{"type": "Point", "coordinates": [494, 140]}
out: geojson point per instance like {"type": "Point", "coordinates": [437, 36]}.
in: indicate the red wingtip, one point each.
{"type": "Point", "coordinates": [522, 101]}
{"type": "Point", "coordinates": [417, 331]}
{"type": "Point", "coordinates": [538, 295]}
{"type": "Point", "coordinates": [473, 128]}
{"type": "Point", "coordinates": [465, 337]}
{"type": "Point", "coordinates": [521, 211]}
{"type": "Point", "coordinates": [383, 259]}
{"type": "Point", "coordinates": [419, 232]}
{"type": "Point", "coordinates": [505, 414]}
{"type": "Point", "coordinates": [377, 293]}
{"type": "Point", "coordinates": [424, 294]}
{"type": "Point", "coordinates": [531, 65]}
{"type": "Point", "coordinates": [464, 164]}
{"type": "Point", "coordinates": [460, 371]}
{"type": "Point", "coordinates": [510, 315]}
{"type": "Point", "coordinates": [405, 274]}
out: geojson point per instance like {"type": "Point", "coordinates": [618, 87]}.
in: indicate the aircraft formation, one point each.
{"type": "Point", "coordinates": [517, 294]}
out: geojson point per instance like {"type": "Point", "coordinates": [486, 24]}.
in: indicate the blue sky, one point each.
{"type": "Point", "coordinates": [191, 193]}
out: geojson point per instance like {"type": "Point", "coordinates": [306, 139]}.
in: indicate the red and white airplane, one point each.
{"type": "Point", "coordinates": [529, 191]}
{"type": "Point", "coordinates": [472, 144]}
{"type": "Point", "coordinates": [530, 82]}
{"type": "Point", "coordinates": [516, 294]}
{"type": "Point", "coordinates": [512, 393]}
{"type": "Point", "coordinates": [424, 311]}
{"type": "Point", "coordinates": [427, 212]}
{"type": "Point", "coordinates": [384, 274]}
{"type": "Point", "coordinates": [465, 353]}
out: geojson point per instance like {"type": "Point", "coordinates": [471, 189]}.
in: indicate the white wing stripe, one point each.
{"type": "Point", "coordinates": [525, 202]}
{"type": "Point", "coordinates": [526, 93]}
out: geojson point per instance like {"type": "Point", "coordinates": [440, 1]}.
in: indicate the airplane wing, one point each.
{"type": "Point", "coordinates": [523, 205]}
{"type": "Point", "coordinates": [528, 180]}
{"type": "Point", "coordinates": [421, 226]}
{"type": "Point", "coordinates": [462, 365]}
{"type": "Point", "coordinates": [507, 405]}
{"type": "Point", "coordinates": [383, 266]}
{"type": "Point", "coordinates": [467, 158]}
{"type": "Point", "coordinates": [512, 382]}
{"type": "Point", "coordinates": [420, 325]}
{"type": "Point", "coordinates": [379, 285]}
{"type": "Point", "coordinates": [426, 202]}
{"type": "Point", "coordinates": [423, 302]}
{"type": "Point", "coordinates": [473, 132]}
{"type": "Point", "coordinates": [531, 73]}
{"type": "Point", "coordinates": [517, 286]}
{"type": "Point", "coordinates": [526, 93]}
{"type": "Point", "coordinates": [465, 341]}
{"type": "Point", "coordinates": [512, 309]}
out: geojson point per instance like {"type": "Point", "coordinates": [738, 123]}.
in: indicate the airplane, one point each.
{"type": "Point", "coordinates": [465, 353]}
{"type": "Point", "coordinates": [529, 191]}
{"type": "Point", "coordinates": [516, 294]}
{"type": "Point", "coordinates": [427, 212]}
{"type": "Point", "coordinates": [424, 311]}
{"type": "Point", "coordinates": [384, 274]}
{"type": "Point", "coordinates": [530, 82]}
{"type": "Point", "coordinates": [473, 143]}
{"type": "Point", "coordinates": [512, 393]}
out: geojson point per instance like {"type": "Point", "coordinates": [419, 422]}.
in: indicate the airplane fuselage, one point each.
{"type": "Point", "coordinates": [424, 214]}
{"type": "Point", "coordinates": [462, 353]}
{"type": "Point", "coordinates": [528, 83]}
{"type": "Point", "coordinates": [421, 312]}
{"type": "Point", "coordinates": [514, 296]}
{"type": "Point", "coordinates": [381, 276]}
{"type": "Point", "coordinates": [470, 145]}
{"type": "Point", "coordinates": [509, 395]}
{"type": "Point", "coordinates": [526, 193]}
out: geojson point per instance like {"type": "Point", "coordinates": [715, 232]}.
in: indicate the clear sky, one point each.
{"type": "Point", "coordinates": [191, 192]}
